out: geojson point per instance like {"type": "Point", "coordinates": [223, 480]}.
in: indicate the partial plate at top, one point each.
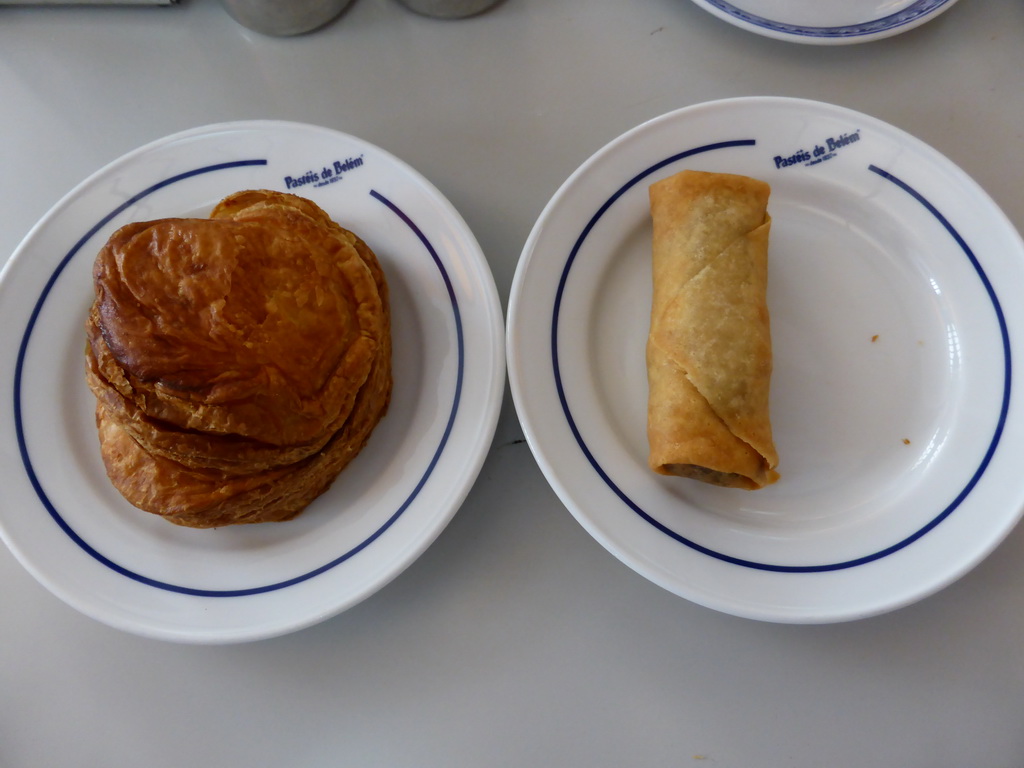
{"type": "Point", "coordinates": [67, 525]}
{"type": "Point", "coordinates": [894, 324]}
{"type": "Point", "coordinates": [826, 22]}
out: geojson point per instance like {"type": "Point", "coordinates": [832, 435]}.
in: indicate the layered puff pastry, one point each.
{"type": "Point", "coordinates": [709, 352]}
{"type": "Point", "coordinates": [239, 362]}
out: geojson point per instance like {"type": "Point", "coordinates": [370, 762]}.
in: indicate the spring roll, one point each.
{"type": "Point", "coordinates": [709, 352]}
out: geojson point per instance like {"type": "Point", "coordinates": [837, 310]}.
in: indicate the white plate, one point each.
{"type": "Point", "coordinates": [69, 527]}
{"type": "Point", "coordinates": [826, 22]}
{"type": "Point", "coordinates": [894, 323]}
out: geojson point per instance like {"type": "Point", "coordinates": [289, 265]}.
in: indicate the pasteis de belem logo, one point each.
{"type": "Point", "coordinates": [329, 174]}
{"type": "Point", "coordinates": [819, 153]}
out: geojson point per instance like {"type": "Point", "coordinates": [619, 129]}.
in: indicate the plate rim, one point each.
{"type": "Point", "coordinates": [489, 381]}
{"type": "Point", "coordinates": [879, 28]}
{"type": "Point", "coordinates": [519, 384]}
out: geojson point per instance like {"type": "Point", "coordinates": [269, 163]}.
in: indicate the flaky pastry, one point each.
{"type": "Point", "coordinates": [238, 362]}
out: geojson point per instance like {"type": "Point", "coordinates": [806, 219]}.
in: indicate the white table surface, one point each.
{"type": "Point", "coordinates": [515, 640]}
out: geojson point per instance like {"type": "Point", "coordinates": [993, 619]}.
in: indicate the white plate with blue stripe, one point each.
{"type": "Point", "coordinates": [826, 22]}
{"type": "Point", "coordinates": [64, 521]}
{"type": "Point", "coordinates": [896, 415]}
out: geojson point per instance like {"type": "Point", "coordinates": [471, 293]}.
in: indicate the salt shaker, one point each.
{"type": "Point", "coordinates": [284, 17]}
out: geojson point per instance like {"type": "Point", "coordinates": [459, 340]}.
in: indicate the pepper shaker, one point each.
{"type": "Point", "coordinates": [449, 9]}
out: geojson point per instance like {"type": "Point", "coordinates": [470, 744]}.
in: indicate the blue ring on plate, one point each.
{"type": "Point", "coordinates": [872, 27]}
{"type": "Point", "coordinates": [73, 535]}
{"type": "Point", "coordinates": [946, 512]}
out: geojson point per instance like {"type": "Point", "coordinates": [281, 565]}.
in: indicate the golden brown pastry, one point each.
{"type": "Point", "coordinates": [231, 451]}
{"type": "Point", "coordinates": [199, 497]}
{"type": "Point", "coordinates": [264, 328]}
{"type": "Point", "coordinates": [239, 362]}
{"type": "Point", "coordinates": [709, 354]}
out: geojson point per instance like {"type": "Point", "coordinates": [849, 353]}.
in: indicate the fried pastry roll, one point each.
{"type": "Point", "coordinates": [709, 352]}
